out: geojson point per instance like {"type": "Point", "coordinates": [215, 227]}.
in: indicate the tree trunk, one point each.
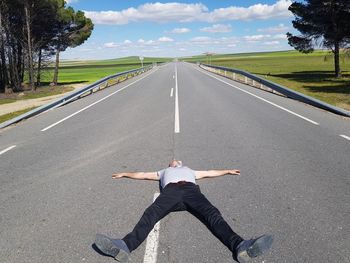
{"type": "Point", "coordinates": [39, 68]}
{"type": "Point", "coordinates": [15, 82]}
{"type": "Point", "coordinates": [3, 71]}
{"type": "Point", "coordinates": [336, 60]}
{"type": "Point", "coordinates": [29, 47]}
{"type": "Point", "coordinates": [20, 63]}
{"type": "Point", "coordinates": [55, 75]}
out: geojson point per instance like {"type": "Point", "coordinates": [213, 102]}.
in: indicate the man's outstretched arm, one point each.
{"type": "Point", "coordinates": [215, 173]}
{"type": "Point", "coordinates": [137, 175]}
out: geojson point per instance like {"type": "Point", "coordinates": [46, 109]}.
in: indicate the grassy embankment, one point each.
{"type": "Point", "coordinates": [75, 72]}
{"type": "Point", "coordinates": [311, 74]}
{"type": "Point", "coordinates": [12, 115]}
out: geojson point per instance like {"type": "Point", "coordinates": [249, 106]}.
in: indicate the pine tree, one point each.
{"type": "Point", "coordinates": [321, 23]}
{"type": "Point", "coordinates": [73, 28]}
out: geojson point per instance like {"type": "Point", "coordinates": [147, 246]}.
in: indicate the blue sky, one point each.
{"type": "Point", "coordinates": [177, 29]}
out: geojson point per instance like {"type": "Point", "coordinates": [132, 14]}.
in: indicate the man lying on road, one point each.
{"type": "Point", "coordinates": [181, 193]}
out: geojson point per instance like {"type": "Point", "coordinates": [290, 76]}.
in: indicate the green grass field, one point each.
{"type": "Point", "coordinates": [89, 71]}
{"type": "Point", "coordinates": [311, 74]}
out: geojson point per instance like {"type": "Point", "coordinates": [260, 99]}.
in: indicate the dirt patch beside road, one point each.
{"type": "Point", "coordinates": [30, 103]}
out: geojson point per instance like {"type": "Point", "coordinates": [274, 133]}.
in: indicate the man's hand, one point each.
{"type": "Point", "coordinates": [118, 175]}
{"type": "Point", "coordinates": [234, 172]}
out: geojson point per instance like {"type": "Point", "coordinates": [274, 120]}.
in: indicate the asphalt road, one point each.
{"type": "Point", "coordinates": [56, 189]}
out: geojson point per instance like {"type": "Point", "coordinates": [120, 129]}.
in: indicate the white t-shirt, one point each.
{"type": "Point", "coordinates": [176, 174]}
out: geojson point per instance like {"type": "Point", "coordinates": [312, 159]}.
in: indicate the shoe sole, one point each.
{"type": "Point", "coordinates": [106, 245]}
{"type": "Point", "coordinates": [259, 247]}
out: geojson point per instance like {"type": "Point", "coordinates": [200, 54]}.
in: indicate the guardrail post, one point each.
{"type": "Point", "coordinates": [234, 75]}
{"type": "Point", "coordinates": [253, 82]}
{"type": "Point", "coordinates": [225, 73]}
{"type": "Point", "coordinates": [246, 80]}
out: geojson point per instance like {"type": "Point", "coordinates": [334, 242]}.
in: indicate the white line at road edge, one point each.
{"type": "Point", "coordinates": [177, 118]}
{"type": "Point", "coordinates": [75, 113]}
{"type": "Point", "coordinates": [152, 242]}
{"type": "Point", "coordinates": [7, 149]}
{"type": "Point", "coordinates": [273, 104]}
{"type": "Point", "coordinates": [171, 92]}
{"type": "Point", "coordinates": [345, 137]}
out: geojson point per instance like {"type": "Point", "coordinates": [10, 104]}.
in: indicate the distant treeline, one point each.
{"type": "Point", "coordinates": [32, 32]}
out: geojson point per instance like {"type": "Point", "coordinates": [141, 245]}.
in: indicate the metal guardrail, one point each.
{"type": "Point", "coordinates": [96, 86]}
{"type": "Point", "coordinates": [258, 82]}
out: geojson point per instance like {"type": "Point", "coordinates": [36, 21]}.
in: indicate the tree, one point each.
{"type": "Point", "coordinates": [12, 59]}
{"type": "Point", "coordinates": [44, 33]}
{"type": "Point", "coordinates": [73, 28]}
{"type": "Point", "coordinates": [30, 32]}
{"type": "Point", "coordinates": [25, 33]}
{"type": "Point", "coordinates": [29, 7]}
{"type": "Point", "coordinates": [3, 68]}
{"type": "Point", "coordinates": [321, 23]}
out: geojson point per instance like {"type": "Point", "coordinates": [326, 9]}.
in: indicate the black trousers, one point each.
{"type": "Point", "coordinates": [181, 197]}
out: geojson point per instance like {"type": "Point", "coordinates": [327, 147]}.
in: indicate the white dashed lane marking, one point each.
{"type": "Point", "coordinates": [345, 137]}
{"type": "Point", "coordinates": [7, 149]}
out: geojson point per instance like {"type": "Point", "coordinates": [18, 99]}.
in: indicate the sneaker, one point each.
{"type": "Point", "coordinates": [252, 248]}
{"type": "Point", "coordinates": [115, 248]}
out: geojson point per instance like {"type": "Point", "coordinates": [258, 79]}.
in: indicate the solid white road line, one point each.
{"type": "Point", "coordinates": [152, 242]}
{"type": "Point", "coordinates": [260, 98]}
{"type": "Point", "coordinates": [7, 149]}
{"type": "Point", "coordinates": [75, 113]}
{"type": "Point", "coordinates": [171, 92]}
{"type": "Point", "coordinates": [345, 137]}
{"type": "Point", "coordinates": [177, 118]}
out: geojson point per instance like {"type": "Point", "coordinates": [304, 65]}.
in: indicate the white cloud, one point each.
{"type": "Point", "coordinates": [217, 28]}
{"type": "Point", "coordinates": [274, 29]}
{"type": "Point", "coordinates": [280, 37]}
{"type": "Point", "coordinates": [155, 12]}
{"type": "Point", "coordinates": [271, 43]}
{"type": "Point", "coordinates": [254, 12]}
{"type": "Point", "coordinates": [180, 12]}
{"type": "Point", "coordinates": [165, 39]}
{"type": "Point", "coordinates": [255, 38]}
{"type": "Point", "coordinates": [127, 42]}
{"type": "Point", "coordinates": [144, 42]}
{"type": "Point", "coordinates": [267, 37]}
{"type": "Point", "coordinates": [200, 39]}
{"type": "Point", "coordinates": [71, 1]}
{"type": "Point", "coordinates": [180, 30]}
{"type": "Point", "coordinates": [111, 45]}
